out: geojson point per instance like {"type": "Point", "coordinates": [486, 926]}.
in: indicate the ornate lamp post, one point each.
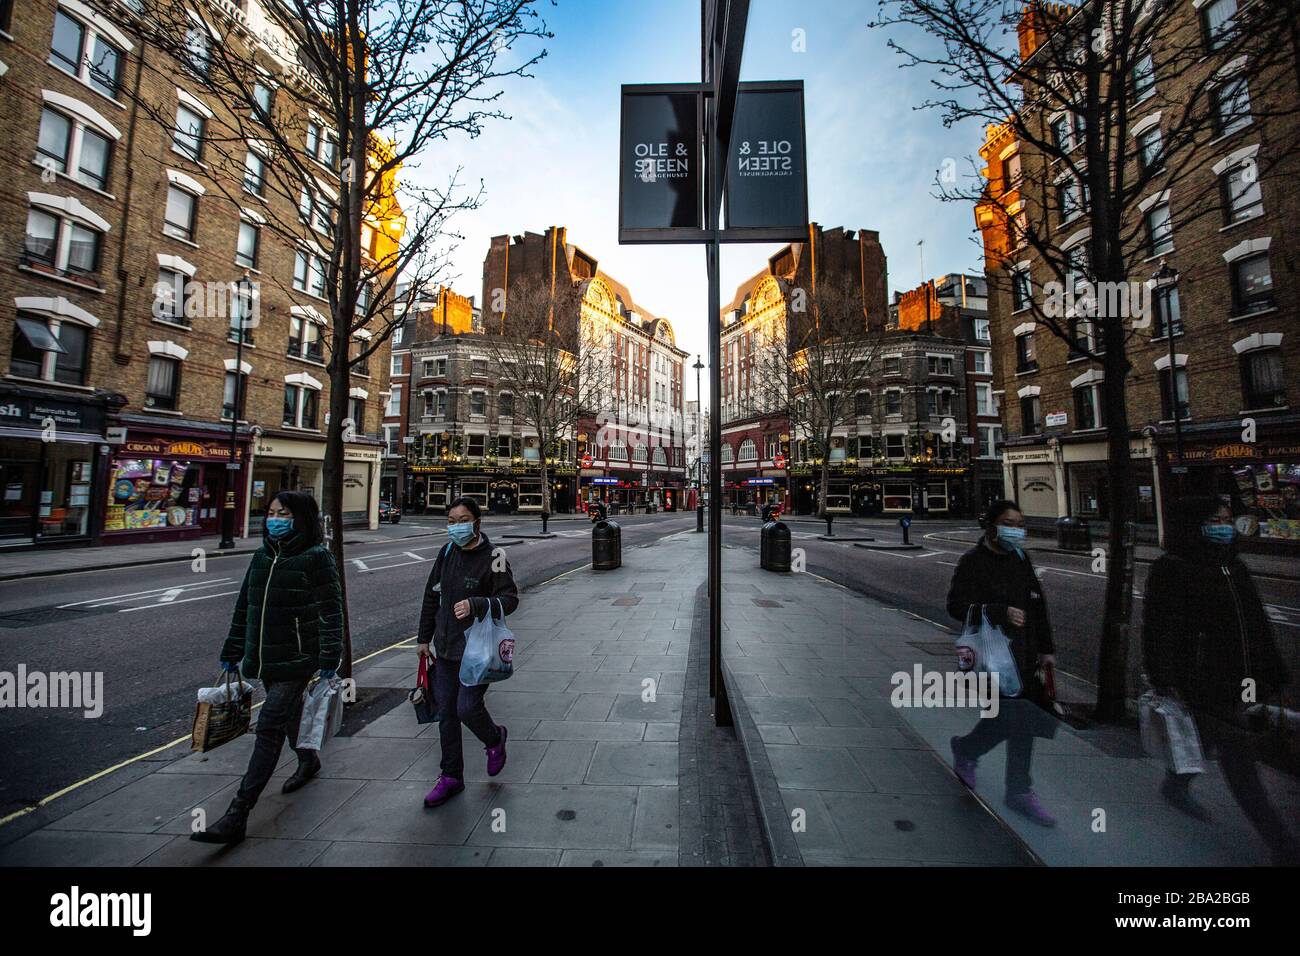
{"type": "Point", "coordinates": [243, 302]}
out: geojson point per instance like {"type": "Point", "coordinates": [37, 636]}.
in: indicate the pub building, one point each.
{"type": "Point", "coordinates": [54, 458]}
{"type": "Point", "coordinates": [168, 482]}
{"type": "Point", "coordinates": [501, 473]}
{"type": "Point", "coordinates": [1260, 478]}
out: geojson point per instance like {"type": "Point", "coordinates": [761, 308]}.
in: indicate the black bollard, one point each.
{"type": "Point", "coordinates": [829, 519]}
{"type": "Point", "coordinates": [699, 519]}
{"type": "Point", "coordinates": [545, 518]}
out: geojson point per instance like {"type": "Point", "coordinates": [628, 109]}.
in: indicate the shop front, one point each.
{"type": "Point", "coordinates": [53, 457]}
{"type": "Point", "coordinates": [935, 491]}
{"type": "Point", "coordinates": [169, 483]}
{"type": "Point", "coordinates": [1260, 480]}
{"type": "Point", "coordinates": [289, 463]}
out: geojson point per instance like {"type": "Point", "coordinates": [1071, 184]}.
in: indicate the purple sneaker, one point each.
{"type": "Point", "coordinates": [446, 788]}
{"type": "Point", "coordinates": [497, 755]}
{"type": "Point", "coordinates": [963, 767]}
{"type": "Point", "coordinates": [1028, 804]}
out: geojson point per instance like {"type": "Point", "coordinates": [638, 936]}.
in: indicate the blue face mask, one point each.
{"type": "Point", "coordinates": [278, 527]}
{"type": "Point", "coordinates": [1011, 538]}
{"type": "Point", "coordinates": [461, 533]}
{"type": "Point", "coordinates": [1219, 533]}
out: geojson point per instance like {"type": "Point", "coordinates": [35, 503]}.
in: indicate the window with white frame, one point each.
{"type": "Point", "coordinates": [171, 302]}
{"type": "Point", "coordinates": [321, 144]}
{"type": "Point", "coordinates": [1242, 196]}
{"type": "Point", "coordinates": [392, 440]}
{"type": "Point", "coordinates": [505, 405]}
{"type": "Point", "coordinates": [262, 96]}
{"type": "Point", "coordinates": [1180, 384]}
{"type": "Point", "coordinates": [896, 446]}
{"type": "Point", "coordinates": [1263, 384]}
{"type": "Point", "coordinates": [395, 365]}
{"type": "Point", "coordinates": [1151, 149]}
{"type": "Point", "coordinates": [315, 209]}
{"type": "Point", "coordinates": [1252, 284]}
{"type": "Point", "coordinates": [1231, 105]}
{"type": "Point", "coordinates": [748, 451]}
{"type": "Point", "coordinates": [53, 350]}
{"type": "Point", "coordinates": [187, 136]}
{"type": "Point", "coordinates": [163, 383]}
{"type": "Point", "coordinates": [180, 214]}
{"type": "Point", "coordinates": [1166, 311]}
{"type": "Point", "coordinates": [1088, 409]}
{"type": "Point", "coordinates": [938, 364]}
{"type": "Point", "coordinates": [301, 404]}
{"type": "Point", "coordinates": [1031, 414]}
{"type": "Point", "coordinates": [234, 391]}
{"type": "Point", "coordinates": [892, 364]}
{"type": "Point", "coordinates": [61, 243]}
{"type": "Point", "coordinates": [477, 402]}
{"type": "Point", "coordinates": [990, 436]}
{"type": "Point", "coordinates": [893, 401]}
{"type": "Point", "coordinates": [1144, 77]}
{"type": "Point", "coordinates": [1070, 203]}
{"type": "Point", "coordinates": [1021, 290]}
{"type": "Point", "coordinates": [70, 146]}
{"type": "Point", "coordinates": [982, 330]}
{"type": "Point", "coordinates": [304, 338]}
{"type": "Point", "coordinates": [861, 405]}
{"type": "Point", "coordinates": [198, 50]}
{"type": "Point", "coordinates": [983, 362]}
{"type": "Point", "coordinates": [247, 243]}
{"type": "Point", "coordinates": [254, 173]}
{"type": "Point", "coordinates": [1160, 229]}
{"type": "Point", "coordinates": [87, 53]}
{"type": "Point", "coordinates": [1026, 353]}
{"type": "Point", "coordinates": [984, 403]}
{"type": "Point", "coordinates": [309, 273]}
{"type": "Point", "coordinates": [1218, 20]}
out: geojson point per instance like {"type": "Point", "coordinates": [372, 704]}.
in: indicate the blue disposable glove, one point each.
{"type": "Point", "coordinates": [328, 675]}
{"type": "Point", "coordinates": [229, 667]}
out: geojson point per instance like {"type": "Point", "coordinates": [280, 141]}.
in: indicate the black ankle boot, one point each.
{"type": "Point", "coordinates": [230, 828]}
{"type": "Point", "coordinates": [308, 767]}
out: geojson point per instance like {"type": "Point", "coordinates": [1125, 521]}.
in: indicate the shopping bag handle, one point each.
{"type": "Point", "coordinates": [227, 675]}
{"type": "Point", "coordinates": [970, 611]}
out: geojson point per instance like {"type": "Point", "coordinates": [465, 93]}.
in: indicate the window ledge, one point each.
{"type": "Point", "coordinates": [1027, 371]}
{"type": "Point", "coordinates": [1227, 136]}
{"type": "Point", "coordinates": [186, 156]}
{"type": "Point", "coordinates": [1242, 222]}
{"type": "Point", "coordinates": [299, 428]}
{"type": "Point", "coordinates": [1160, 255]}
{"type": "Point", "coordinates": [188, 242]}
{"type": "Point", "coordinates": [176, 412]}
{"type": "Point", "coordinates": [1264, 411]}
{"type": "Point", "coordinates": [231, 340]}
{"type": "Point", "coordinates": [98, 290]}
{"type": "Point", "coordinates": [1252, 315]}
{"type": "Point", "coordinates": [49, 382]}
{"type": "Point", "coordinates": [86, 84]}
{"type": "Point", "coordinates": [75, 181]}
{"type": "Point", "coordinates": [1169, 421]}
{"type": "Point", "coordinates": [1089, 431]}
{"type": "Point", "coordinates": [305, 361]}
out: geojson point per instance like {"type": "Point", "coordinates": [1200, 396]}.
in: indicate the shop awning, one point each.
{"type": "Point", "coordinates": [39, 335]}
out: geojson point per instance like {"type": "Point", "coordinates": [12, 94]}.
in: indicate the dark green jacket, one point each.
{"type": "Point", "coordinates": [288, 621]}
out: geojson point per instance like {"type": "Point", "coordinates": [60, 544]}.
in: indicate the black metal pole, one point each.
{"type": "Point", "coordinates": [243, 286]}
{"type": "Point", "coordinates": [699, 450]}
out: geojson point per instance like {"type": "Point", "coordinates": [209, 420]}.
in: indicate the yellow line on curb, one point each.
{"type": "Point", "coordinates": [157, 750]}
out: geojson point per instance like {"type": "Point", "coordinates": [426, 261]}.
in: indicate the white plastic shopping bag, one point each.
{"type": "Point", "coordinates": [322, 713]}
{"type": "Point", "coordinates": [489, 648]}
{"type": "Point", "coordinates": [983, 646]}
{"type": "Point", "coordinates": [1169, 733]}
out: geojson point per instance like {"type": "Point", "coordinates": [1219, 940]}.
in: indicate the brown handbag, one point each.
{"type": "Point", "coordinates": [220, 723]}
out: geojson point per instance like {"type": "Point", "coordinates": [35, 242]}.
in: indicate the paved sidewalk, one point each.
{"type": "Point", "coordinates": [813, 662]}
{"type": "Point", "coordinates": [592, 778]}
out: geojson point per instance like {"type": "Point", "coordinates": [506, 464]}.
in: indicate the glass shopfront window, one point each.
{"type": "Point", "coordinates": [153, 493]}
{"type": "Point", "coordinates": [1266, 500]}
{"type": "Point", "coordinates": [47, 489]}
{"type": "Point", "coordinates": [897, 496]}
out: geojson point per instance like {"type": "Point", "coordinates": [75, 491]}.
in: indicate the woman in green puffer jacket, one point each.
{"type": "Point", "coordinates": [288, 624]}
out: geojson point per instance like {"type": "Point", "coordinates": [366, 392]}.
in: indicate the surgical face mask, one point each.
{"type": "Point", "coordinates": [278, 527]}
{"type": "Point", "coordinates": [1010, 538]}
{"type": "Point", "coordinates": [461, 532]}
{"type": "Point", "coordinates": [1219, 533]}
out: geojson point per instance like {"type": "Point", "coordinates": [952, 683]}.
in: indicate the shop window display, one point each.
{"type": "Point", "coordinates": [153, 493]}
{"type": "Point", "coordinates": [1268, 500]}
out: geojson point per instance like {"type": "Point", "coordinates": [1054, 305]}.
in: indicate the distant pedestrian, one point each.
{"type": "Point", "coordinates": [1207, 640]}
{"type": "Point", "coordinates": [287, 625]}
{"type": "Point", "coordinates": [997, 578]}
{"type": "Point", "coordinates": [467, 573]}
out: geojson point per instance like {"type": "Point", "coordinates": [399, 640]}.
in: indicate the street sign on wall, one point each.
{"type": "Point", "coordinates": [766, 190]}
{"type": "Point", "coordinates": [660, 164]}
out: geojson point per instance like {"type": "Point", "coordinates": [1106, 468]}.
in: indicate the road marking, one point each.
{"type": "Point", "coordinates": [400, 645]}
{"type": "Point", "coordinates": [154, 607]}
{"type": "Point", "coordinates": [171, 595]}
{"type": "Point", "coordinates": [115, 598]}
{"type": "Point", "coordinates": [361, 565]}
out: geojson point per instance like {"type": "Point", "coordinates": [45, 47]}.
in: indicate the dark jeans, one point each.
{"type": "Point", "coordinates": [278, 719]}
{"type": "Point", "coordinates": [460, 705]}
{"type": "Point", "coordinates": [991, 731]}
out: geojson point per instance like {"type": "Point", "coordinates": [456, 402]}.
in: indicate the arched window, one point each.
{"type": "Point", "coordinates": [748, 450]}
{"type": "Point", "coordinates": [726, 453]}
{"type": "Point", "coordinates": [659, 457]}
{"type": "Point", "coordinates": [618, 452]}
{"type": "Point", "coordinates": [639, 454]}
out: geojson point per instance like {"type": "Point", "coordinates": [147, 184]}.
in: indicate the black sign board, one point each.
{"type": "Point", "coordinates": [766, 190]}
{"type": "Point", "coordinates": [660, 164]}
{"type": "Point", "coordinates": [24, 411]}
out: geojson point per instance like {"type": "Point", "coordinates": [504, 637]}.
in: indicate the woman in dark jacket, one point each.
{"type": "Point", "coordinates": [1206, 639]}
{"type": "Point", "coordinates": [288, 624]}
{"type": "Point", "coordinates": [997, 576]}
{"type": "Point", "coordinates": [468, 579]}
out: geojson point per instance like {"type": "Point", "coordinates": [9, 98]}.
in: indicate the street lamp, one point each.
{"type": "Point", "coordinates": [1165, 278]}
{"type": "Point", "coordinates": [243, 304]}
{"type": "Point", "coordinates": [699, 450]}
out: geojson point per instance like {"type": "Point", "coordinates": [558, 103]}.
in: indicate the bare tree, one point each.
{"type": "Point", "coordinates": [334, 97]}
{"type": "Point", "coordinates": [1063, 81]}
{"type": "Point", "coordinates": [551, 361]}
{"type": "Point", "coordinates": [814, 365]}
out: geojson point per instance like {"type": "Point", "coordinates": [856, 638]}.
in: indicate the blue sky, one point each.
{"type": "Point", "coordinates": [873, 157]}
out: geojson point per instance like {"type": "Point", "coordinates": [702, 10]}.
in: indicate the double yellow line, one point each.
{"type": "Point", "coordinates": [402, 644]}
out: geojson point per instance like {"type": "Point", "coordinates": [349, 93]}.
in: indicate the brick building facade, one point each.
{"type": "Point", "coordinates": [122, 317]}
{"type": "Point", "coordinates": [1231, 307]}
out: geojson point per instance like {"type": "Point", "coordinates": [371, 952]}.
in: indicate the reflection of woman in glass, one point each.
{"type": "Point", "coordinates": [996, 578]}
{"type": "Point", "coordinates": [1206, 639]}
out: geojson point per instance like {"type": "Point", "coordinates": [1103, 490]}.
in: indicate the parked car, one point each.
{"type": "Point", "coordinates": [389, 512]}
